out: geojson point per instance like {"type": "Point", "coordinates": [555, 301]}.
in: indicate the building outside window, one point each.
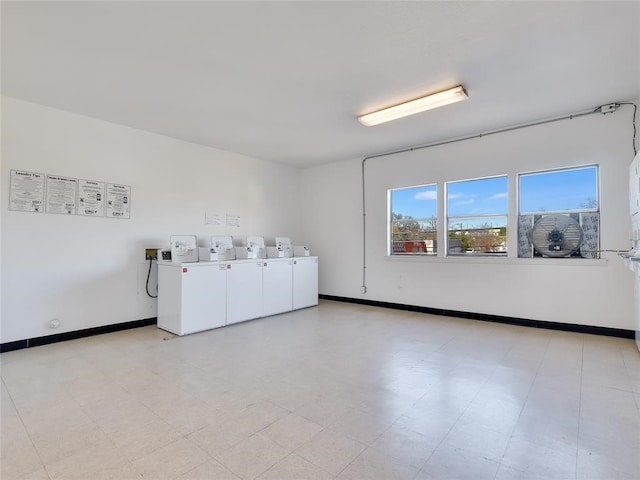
{"type": "Point", "coordinates": [477, 217]}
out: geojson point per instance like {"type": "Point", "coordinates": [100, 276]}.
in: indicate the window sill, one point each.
{"type": "Point", "coordinates": [574, 262]}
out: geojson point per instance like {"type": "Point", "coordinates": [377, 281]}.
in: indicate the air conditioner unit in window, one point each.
{"type": "Point", "coordinates": [556, 235]}
{"type": "Point", "coordinates": [559, 234]}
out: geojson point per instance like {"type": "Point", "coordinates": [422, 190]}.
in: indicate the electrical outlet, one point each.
{"type": "Point", "coordinates": [150, 253]}
{"type": "Point", "coordinates": [363, 289]}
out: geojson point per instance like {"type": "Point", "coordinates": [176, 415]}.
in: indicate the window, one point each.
{"type": "Point", "coordinates": [413, 221]}
{"type": "Point", "coordinates": [544, 199]}
{"type": "Point", "coordinates": [477, 217]}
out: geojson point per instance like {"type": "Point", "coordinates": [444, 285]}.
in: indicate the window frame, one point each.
{"type": "Point", "coordinates": [571, 212]}
{"type": "Point", "coordinates": [588, 217]}
{"type": "Point", "coordinates": [556, 170]}
{"type": "Point", "coordinates": [448, 218]}
{"type": "Point", "coordinates": [391, 251]}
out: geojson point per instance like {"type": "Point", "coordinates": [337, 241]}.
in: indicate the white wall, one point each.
{"type": "Point", "coordinates": [598, 293]}
{"type": "Point", "coordinates": [90, 272]}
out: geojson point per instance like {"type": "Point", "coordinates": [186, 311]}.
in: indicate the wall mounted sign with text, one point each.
{"type": "Point", "coordinates": [44, 193]}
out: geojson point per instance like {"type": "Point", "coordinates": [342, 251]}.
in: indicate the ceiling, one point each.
{"type": "Point", "coordinates": [285, 81]}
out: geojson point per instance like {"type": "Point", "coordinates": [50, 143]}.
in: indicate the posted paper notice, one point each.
{"type": "Point", "coordinates": [61, 195]}
{"type": "Point", "coordinates": [118, 201]}
{"type": "Point", "coordinates": [91, 198]}
{"type": "Point", "coordinates": [26, 191]}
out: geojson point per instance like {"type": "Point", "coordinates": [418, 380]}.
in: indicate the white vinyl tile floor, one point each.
{"type": "Point", "coordinates": [338, 391]}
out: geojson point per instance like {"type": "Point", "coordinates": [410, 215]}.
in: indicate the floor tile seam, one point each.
{"type": "Point", "coordinates": [497, 365]}
{"type": "Point", "coordinates": [308, 442]}
{"type": "Point", "coordinates": [520, 468]}
{"type": "Point", "coordinates": [539, 443]}
{"type": "Point", "coordinates": [610, 387]}
{"type": "Point", "coordinates": [265, 470]}
{"type": "Point", "coordinates": [6, 389]}
{"type": "Point", "coordinates": [409, 408]}
{"type": "Point", "coordinates": [446, 434]}
{"type": "Point", "coordinates": [447, 342]}
{"type": "Point", "coordinates": [371, 446]}
{"type": "Point", "coordinates": [621, 351]}
{"type": "Point", "coordinates": [324, 426]}
{"type": "Point", "coordinates": [125, 458]}
{"type": "Point", "coordinates": [26, 430]}
{"type": "Point", "coordinates": [109, 436]}
{"type": "Point", "coordinates": [132, 462]}
{"type": "Point", "coordinates": [351, 462]}
{"type": "Point", "coordinates": [431, 386]}
{"type": "Point", "coordinates": [234, 444]}
{"type": "Point", "coordinates": [338, 432]}
{"type": "Point", "coordinates": [636, 399]}
{"type": "Point", "coordinates": [206, 461]}
{"type": "Point", "coordinates": [329, 474]}
{"type": "Point", "coordinates": [42, 466]}
{"type": "Point", "coordinates": [511, 433]}
{"type": "Point", "coordinates": [237, 474]}
{"type": "Point", "coordinates": [413, 404]}
{"type": "Point", "coordinates": [46, 466]}
{"type": "Point", "coordinates": [275, 441]}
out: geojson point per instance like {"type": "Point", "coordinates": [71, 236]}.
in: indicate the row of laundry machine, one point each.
{"type": "Point", "coordinates": [224, 284]}
{"type": "Point", "coordinates": [185, 249]}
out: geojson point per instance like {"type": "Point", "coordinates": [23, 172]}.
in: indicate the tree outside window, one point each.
{"type": "Point", "coordinates": [413, 220]}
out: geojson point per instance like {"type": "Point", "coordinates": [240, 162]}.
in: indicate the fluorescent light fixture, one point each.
{"type": "Point", "coordinates": [418, 105]}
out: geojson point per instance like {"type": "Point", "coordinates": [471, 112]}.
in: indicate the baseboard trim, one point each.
{"type": "Point", "coordinates": [567, 327]}
{"type": "Point", "coordinates": [524, 322]}
{"type": "Point", "coordinates": [87, 332]}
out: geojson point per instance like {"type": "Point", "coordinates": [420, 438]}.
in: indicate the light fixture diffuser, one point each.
{"type": "Point", "coordinates": [418, 105]}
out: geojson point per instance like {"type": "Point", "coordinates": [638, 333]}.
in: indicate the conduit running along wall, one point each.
{"type": "Point", "coordinates": [583, 292]}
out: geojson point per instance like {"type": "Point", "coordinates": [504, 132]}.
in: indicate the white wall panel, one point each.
{"type": "Point", "coordinates": [90, 272]}
{"type": "Point", "coordinates": [585, 292]}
